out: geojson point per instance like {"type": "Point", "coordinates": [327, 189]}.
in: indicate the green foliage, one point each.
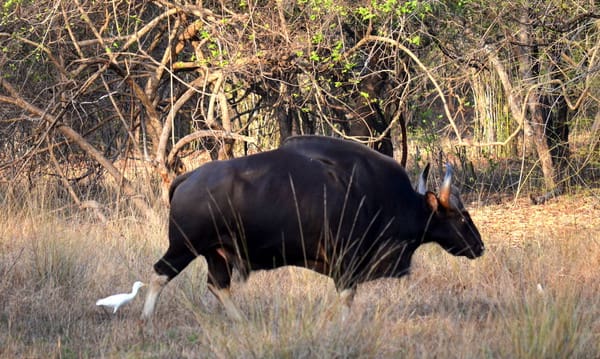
{"type": "Point", "coordinates": [379, 10]}
{"type": "Point", "coordinates": [204, 34]}
{"type": "Point", "coordinates": [314, 56]}
{"type": "Point", "coordinates": [365, 13]}
{"type": "Point", "coordinates": [7, 7]}
{"type": "Point", "coordinates": [336, 53]}
{"type": "Point", "coordinates": [317, 39]}
{"type": "Point", "coordinates": [415, 40]}
{"type": "Point", "coordinates": [463, 3]}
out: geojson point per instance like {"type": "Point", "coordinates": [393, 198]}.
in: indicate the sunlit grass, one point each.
{"type": "Point", "coordinates": [534, 294]}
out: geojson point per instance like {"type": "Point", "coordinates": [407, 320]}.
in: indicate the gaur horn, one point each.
{"type": "Point", "coordinates": [422, 185]}
{"type": "Point", "coordinates": [445, 190]}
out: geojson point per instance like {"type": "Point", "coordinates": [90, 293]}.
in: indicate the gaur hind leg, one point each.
{"type": "Point", "coordinates": [346, 287]}
{"type": "Point", "coordinates": [219, 280]}
{"type": "Point", "coordinates": [169, 266]}
{"type": "Point", "coordinates": [342, 306]}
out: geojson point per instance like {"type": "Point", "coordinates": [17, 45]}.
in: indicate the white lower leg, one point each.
{"type": "Point", "coordinates": [347, 297]}
{"type": "Point", "coordinates": [157, 283]}
{"type": "Point", "coordinates": [224, 297]}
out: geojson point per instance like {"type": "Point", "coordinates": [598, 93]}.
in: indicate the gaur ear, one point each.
{"type": "Point", "coordinates": [432, 201]}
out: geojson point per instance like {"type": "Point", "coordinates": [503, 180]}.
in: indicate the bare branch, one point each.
{"type": "Point", "coordinates": [415, 58]}
{"type": "Point", "coordinates": [80, 141]}
{"type": "Point", "coordinates": [206, 133]}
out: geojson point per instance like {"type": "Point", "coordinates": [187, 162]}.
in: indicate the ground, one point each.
{"type": "Point", "coordinates": [535, 293]}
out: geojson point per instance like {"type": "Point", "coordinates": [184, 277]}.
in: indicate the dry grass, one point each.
{"type": "Point", "coordinates": [534, 294]}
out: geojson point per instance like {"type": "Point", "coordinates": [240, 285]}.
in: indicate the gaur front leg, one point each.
{"type": "Point", "coordinates": [157, 283]}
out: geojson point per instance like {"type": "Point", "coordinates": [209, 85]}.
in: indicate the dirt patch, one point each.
{"type": "Point", "coordinates": [517, 220]}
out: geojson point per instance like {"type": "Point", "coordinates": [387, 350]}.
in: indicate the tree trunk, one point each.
{"type": "Point", "coordinates": [556, 113]}
{"type": "Point", "coordinates": [538, 125]}
{"type": "Point", "coordinates": [529, 61]}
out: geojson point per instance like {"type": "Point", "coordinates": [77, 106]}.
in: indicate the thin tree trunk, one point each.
{"type": "Point", "coordinates": [534, 124]}
{"type": "Point", "coordinates": [529, 62]}
{"type": "Point", "coordinates": [556, 112]}
{"type": "Point", "coordinates": [595, 145]}
{"type": "Point", "coordinates": [538, 127]}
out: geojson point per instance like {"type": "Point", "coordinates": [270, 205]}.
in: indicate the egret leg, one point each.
{"type": "Point", "coordinates": [157, 283]}
{"type": "Point", "coordinates": [224, 297]}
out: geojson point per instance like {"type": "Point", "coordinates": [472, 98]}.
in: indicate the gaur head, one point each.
{"type": "Point", "coordinates": [449, 224]}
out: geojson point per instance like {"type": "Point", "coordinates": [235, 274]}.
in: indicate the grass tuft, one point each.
{"type": "Point", "coordinates": [555, 325]}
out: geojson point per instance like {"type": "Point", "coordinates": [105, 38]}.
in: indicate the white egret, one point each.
{"type": "Point", "coordinates": [117, 300]}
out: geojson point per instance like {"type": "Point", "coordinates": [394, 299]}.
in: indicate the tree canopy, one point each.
{"type": "Point", "coordinates": [86, 84]}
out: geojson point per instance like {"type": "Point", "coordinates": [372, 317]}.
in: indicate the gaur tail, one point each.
{"type": "Point", "coordinates": [176, 182]}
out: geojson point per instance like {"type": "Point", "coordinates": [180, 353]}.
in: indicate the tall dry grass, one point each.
{"type": "Point", "coordinates": [534, 294]}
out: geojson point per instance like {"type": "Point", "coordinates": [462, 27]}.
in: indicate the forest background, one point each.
{"type": "Point", "coordinates": [103, 103]}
